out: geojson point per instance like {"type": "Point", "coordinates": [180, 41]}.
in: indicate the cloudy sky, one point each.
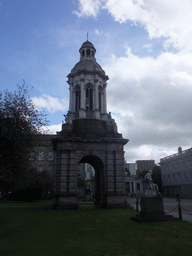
{"type": "Point", "coordinates": [144, 46]}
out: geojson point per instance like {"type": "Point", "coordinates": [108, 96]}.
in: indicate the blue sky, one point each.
{"type": "Point", "coordinates": [144, 46]}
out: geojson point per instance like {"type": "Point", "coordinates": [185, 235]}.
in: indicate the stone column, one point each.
{"type": "Point", "coordinates": [104, 99]}
{"type": "Point", "coordinates": [82, 113]}
{"type": "Point", "coordinates": [73, 101]}
{"type": "Point", "coordinates": [96, 96]}
{"type": "Point", "coordinates": [66, 191]}
{"type": "Point", "coordinates": [82, 94]}
{"type": "Point", "coordinates": [71, 98]}
{"type": "Point", "coordinates": [102, 110]}
{"type": "Point", "coordinates": [96, 101]}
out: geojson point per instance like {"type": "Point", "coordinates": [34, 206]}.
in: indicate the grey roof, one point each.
{"type": "Point", "coordinates": [87, 44]}
{"type": "Point", "coordinates": [89, 65]}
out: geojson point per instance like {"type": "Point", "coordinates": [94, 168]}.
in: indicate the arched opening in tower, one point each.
{"type": "Point", "coordinates": [89, 98]}
{"type": "Point", "coordinates": [77, 99]}
{"type": "Point", "coordinates": [90, 183]}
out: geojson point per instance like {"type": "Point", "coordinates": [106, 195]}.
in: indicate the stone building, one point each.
{"type": "Point", "coordinates": [176, 171]}
{"type": "Point", "coordinates": [146, 165]}
{"type": "Point", "coordinates": [89, 135]}
{"type": "Point", "coordinates": [42, 156]}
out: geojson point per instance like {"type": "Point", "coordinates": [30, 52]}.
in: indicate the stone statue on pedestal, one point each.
{"type": "Point", "coordinates": [150, 188]}
{"type": "Point", "coordinates": [151, 202]}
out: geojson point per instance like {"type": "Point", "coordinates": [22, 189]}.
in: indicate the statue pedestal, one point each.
{"type": "Point", "coordinates": [152, 210]}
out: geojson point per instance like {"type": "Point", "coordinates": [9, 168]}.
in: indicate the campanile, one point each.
{"type": "Point", "coordinates": [89, 135]}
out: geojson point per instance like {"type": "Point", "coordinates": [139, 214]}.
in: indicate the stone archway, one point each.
{"type": "Point", "coordinates": [107, 158]}
{"type": "Point", "coordinates": [98, 165]}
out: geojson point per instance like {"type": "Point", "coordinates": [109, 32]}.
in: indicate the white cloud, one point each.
{"type": "Point", "coordinates": [98, 32]}
{"type": "Point", "coordinates": [171, 19]}
{"type": "Point", "coordinates": [88, 8]}
{"type": "Point", "coordinates": [150, 99]}
{"type": "Point", "coordinates": [50, 103]}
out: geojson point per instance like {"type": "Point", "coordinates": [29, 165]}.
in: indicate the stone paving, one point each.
{"type": "Point", "coordinates": [170, 207]}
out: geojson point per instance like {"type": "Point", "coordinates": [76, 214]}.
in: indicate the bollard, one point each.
{"type": "Point", "coordinates": [137, 204]}
{"type": "Point", "coordinates": [179, 207]}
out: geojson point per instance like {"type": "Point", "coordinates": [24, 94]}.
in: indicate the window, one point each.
{"type": "Point", "coordinates": [77, 99]}
{"type": "Point", "coordinates": [50, 169]}
{"type": "Point", "coordinates": [93, 53]}
{"type": "Point", "coordinates": [41, 156]}
{"type": "Point", "coordinates": [89, 98]}
{"type": "Point", "coordinates": [50, 156]}
{"type": "Point", "coordinates": [40, 168]}
{"type": "Point", "coordinates": [83, 53]}
{"type": "Point", "coordinates": [138, 186]}
{"type": "Point", "coordinates": [31, 156]}
{"type": "Point", "coordinates": [88, 52]}
{"type": "Point", "coordinates": [173, 177]}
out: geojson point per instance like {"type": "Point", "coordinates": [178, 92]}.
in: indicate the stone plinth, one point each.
{"type": "Point", "coordinates": [152, 210]}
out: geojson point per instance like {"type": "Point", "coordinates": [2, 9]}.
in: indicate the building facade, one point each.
{"type": "Point", "coordinates": [176, 171]}
{"type": "Point", "coordinates": [146, 165]}
{"type": "Point", "coordinates": [42, 156]}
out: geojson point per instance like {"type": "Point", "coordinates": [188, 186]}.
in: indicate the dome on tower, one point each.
{"type": "Point", "coordinates": [87, 63]}
{"type": "Point", "coordinates": [87, 44]}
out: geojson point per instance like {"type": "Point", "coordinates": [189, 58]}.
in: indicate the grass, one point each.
{"type": "Point", "coordinates": [39, 231]}
{"type": "Point", "coordinates": [84, 202]}
{"type": "Point", "coordinates": [5, 203]}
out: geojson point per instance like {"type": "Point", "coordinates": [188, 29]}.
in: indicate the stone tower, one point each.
{"type": "Point", "coordinates": [89, 135]}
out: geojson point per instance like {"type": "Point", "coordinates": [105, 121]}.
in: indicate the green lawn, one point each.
{"type": "Point", "coordinates": [46, 232]}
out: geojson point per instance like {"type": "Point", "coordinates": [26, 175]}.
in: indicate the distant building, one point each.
{"type": "Point", "coordinates": [130, 168]}
{"type": "Point", "coordinates": [146, 165]}
{"type": "Point", "coordinates": [132, 181]}
{"type": "Point", "coordinates": [176, 172]}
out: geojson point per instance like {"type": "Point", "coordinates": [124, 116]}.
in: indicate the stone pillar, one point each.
{"type": "Point", "coordinates": [96, 98]}
{"type": "Point", "coordinates": [104, 99]}
{"type": "Point", "coordinates": [71, 98]}
{"type": "Point", "coordinates": [66, 188]}
{"type": "Point", "coordinates": [96, 101]}
{"type": "Point", "coordinates": [102, 110]}
{"type": "Point", "coordinates": [73, 101]}
{"type": "Point", "coordinates": [115, 181]}
{"type": "Point", "coordinates": [104, 115]}
{"type": "Point", "coordinates": [82, 112]}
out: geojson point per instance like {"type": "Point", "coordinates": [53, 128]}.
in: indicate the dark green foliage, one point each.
{"type": "Point", "coordinates": [38, 185]}
{"type": "Point", "coordinates": [20, 122]}
{"type": "Point", "coordinates": [142, 173]}
{"type": "Point", "coordinates": [156, 176]}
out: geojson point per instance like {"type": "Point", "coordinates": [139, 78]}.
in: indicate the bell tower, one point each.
{"type": "Point", "coordinates": [87, 84]}
{"type": "Point", "coordinates": [89, 135]}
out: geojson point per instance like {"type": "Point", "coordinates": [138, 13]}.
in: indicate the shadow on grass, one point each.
{"type": "Point", "coordinates": [39, 231]}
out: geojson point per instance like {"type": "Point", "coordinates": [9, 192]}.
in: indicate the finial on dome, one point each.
{"type": "Point", "coordinates": [87, 36]}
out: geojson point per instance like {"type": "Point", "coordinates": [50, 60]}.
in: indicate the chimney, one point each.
{"type": "Point", "coordinates": [180, 150]}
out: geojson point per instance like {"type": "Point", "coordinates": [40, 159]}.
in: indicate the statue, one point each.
{"type": "Point", "coordinates": [150, 188]}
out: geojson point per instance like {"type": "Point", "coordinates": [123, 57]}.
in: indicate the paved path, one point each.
{"type": "Point", "coordinates": [170, 204]}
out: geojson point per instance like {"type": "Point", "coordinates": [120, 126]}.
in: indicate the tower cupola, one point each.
{"type": "Point", "coordinates": [87, 51]}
